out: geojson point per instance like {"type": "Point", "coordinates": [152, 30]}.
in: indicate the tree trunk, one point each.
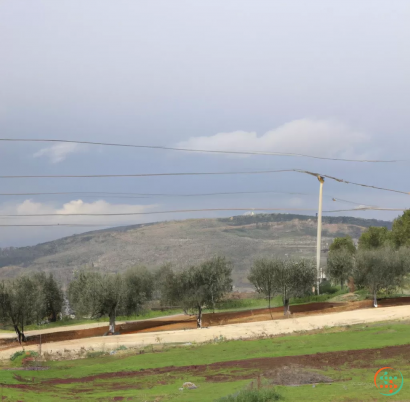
{"type": "Point", "coordinates": [111, 329]}
{"type": "Point", "coordinates": [270, 311]}
{"type": "Point", "coordinates": [213, 303]}
{"type": "Point", "coordinates": [199, 317]}
{"type": "Point", "coordinates": [375, 298]}
{"type": "Point", "coordinates": [341, 284]}
{"type": "Point", "coordinates": [53, 317]}
{"type": "Point", "coordinates": [20, 335]}
{"type": "Point", "coordinates": [286, 307]}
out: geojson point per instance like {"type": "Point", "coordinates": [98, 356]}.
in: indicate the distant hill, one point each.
{"type": "Point", "coordinates": [240, 238]}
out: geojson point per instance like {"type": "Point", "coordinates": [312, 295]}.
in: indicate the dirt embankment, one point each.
{"type": "Point", "coordinates": [178, 323]}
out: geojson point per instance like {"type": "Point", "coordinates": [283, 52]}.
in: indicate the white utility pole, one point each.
{"type": "Point", "coordinates": [319, 232]}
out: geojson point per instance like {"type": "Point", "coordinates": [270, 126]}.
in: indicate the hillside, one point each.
{"type": "Point", "coordinates": [240, 238]}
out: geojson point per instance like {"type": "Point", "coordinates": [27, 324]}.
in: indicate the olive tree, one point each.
{"type": "Point", "coordinates": [19, 303]}
{"type": "Point", "coordinates": [381, 269]}
{"type": "Point", "coordinates": [96, 294]}
{"type": "Point", "coordinates": [287, 278]}
{"type": "Point", "coordinates": [138, 289]}
{"type": "Point", "coordinates": [374, 237]}
{"type": "Point", "coordinates": [200, 286]}
{"type": "Point", "coordinates": [51, 297]}
{"type": "Point", "coordinates": [340, 264]}
{"type": "Point", "coordinates": [343, 243]}
{"type": "Point", "coordinates": [400, 233]}
{"type": "Point", "coordinates": [294, 278]}
{"type": "Point", "coordinates": [262, 276]}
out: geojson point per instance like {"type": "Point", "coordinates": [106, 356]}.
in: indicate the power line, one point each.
{"type": "Point", "coordinates": [369, 209]}
{"type": "Point", "coordinates": [149, 195]}
{"type": "Point", "coordinates": [207, 174]}
{"type": "Point", "coordinates": [159, 212]}
{"type": "Point", "coordinates": [144, 195]}
{"type": "Point", "coordinates": [291, 154]}
{"type": "Point", "coordinates": [145, 174]}
{"type": "Point", "coordinates": [111, 224]}
{"type": "Point", "coordinates": [366, 208]}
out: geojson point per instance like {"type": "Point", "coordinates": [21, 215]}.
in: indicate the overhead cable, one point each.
{"type": "Point", "coordinates": [290, 154]}
{"type": "Point", "coordinates": [365, 208]}
{"type": "Point", "coordinates": [206, 174]}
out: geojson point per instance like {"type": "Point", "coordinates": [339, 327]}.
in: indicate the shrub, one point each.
{"type": "Point", "coordinates": [15, 355]}
{"type": "Point", "coordinates": [326, 287]}
{"type": "Point", "coordinates": [263, 395]}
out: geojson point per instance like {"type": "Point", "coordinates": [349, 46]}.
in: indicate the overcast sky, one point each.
{"type": "Point", "coordinates": [327, 78]}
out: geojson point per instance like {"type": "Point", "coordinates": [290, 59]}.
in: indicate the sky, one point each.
{"type": "Point", "coordinates": [321, 78]}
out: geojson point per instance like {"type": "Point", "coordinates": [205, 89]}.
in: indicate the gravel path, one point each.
{"type": "Point", "coordinates": [233, 331]}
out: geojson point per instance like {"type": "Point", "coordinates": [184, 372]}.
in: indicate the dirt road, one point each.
{"type": "Point", "coordinates": [233, 331]}
{"type": "Point", "coordinates": [64, 328]}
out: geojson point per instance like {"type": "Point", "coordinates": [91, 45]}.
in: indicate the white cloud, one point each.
{"type": "Point", "coordinates": [57, 153]}
{"type": "Point", "coordinates": [19, 236]}
{"type": "Point", "coordinates": [328, 138]}
{"type": "Point", "coordinates": [75, 207]}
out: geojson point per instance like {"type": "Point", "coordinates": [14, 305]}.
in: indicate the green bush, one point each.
{"type": "Point", "coordinates": [326, 287]}
{"type": "Point", "coordinates": [263, 395]}
{"type": "Point", "coordinates": [15, 355]}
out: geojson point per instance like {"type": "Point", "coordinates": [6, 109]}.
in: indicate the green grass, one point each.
{"type": "Point", "coordinates": [166, 385]}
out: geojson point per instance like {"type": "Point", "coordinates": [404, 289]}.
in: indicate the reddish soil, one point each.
{"type": "Point", "coordinates": [209, 320]}
{"type": "Point", "coordinates": [247, 369]}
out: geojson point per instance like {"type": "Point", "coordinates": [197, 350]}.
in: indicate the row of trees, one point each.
{"type": "Point", "coordinates": [382, 269]}
{"type": "Point", "coordinates": [95, 294]}
{"type": "Point", "coordinates": [29, 299]}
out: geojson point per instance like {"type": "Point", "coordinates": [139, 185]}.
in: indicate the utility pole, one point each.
{"type": "Point", "coordinates": [319, 232]}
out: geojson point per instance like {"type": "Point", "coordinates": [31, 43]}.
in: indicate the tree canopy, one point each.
{"type": "Point", "coordinates": [96, 294]}
{"type": "Point", "coordinates": [29, 300]}
{"type": "Point", "coordinates": [288, 278]}
{"type": "Point", "coordinates": [343, 243]}
{"type": "Point", "coordinates": [200, 286]}
{"type": "Point", "coordinates": [373, 238]}
{"type": "Point", "coordinates": [340, 264]}
{"type": "Point", "coordinates": [400, 233]}
{"type": "Point", "coordinates": [262, 276]}
{"type": "Point", "coordinates": [382, 269]}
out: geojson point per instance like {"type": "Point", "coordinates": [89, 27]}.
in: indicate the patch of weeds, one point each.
{"type": "Point", "coordinates": [97, 353]}
{"type": "Point", "coordinates": [263, 395]}
{"type": "Point", "coordinates": [15, 355]}
{"type": "Point", "coordinates": [122, 347]}
{"type": "Point", "coordinates": [219, 339]}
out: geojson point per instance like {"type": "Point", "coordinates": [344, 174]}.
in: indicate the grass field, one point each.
{"type": "Point", "coordinates": [221, 368]}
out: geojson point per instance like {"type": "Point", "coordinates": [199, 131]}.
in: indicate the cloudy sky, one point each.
{"type": "Point", "coordinates": [315, 77]}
